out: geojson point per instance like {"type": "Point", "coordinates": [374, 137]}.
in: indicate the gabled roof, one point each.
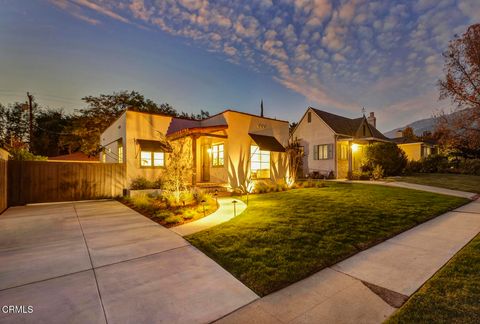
{"type": "Point", "coordinates": [347, 126]}
{"type": "Point", "coordinates": [405, 140]}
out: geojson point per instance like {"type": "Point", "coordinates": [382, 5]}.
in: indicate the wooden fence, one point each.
{"type": "Point", "coordinates": [3, 185]}
{"type": "Point", "coordinates": [43, 181]}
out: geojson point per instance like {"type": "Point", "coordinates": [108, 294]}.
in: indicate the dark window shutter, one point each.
{"type": "Point", "coordinates": [330, 151]}
{"type": "Point", "coordinates": [309, 116]}
{"type": "Point", "coordinates": [315, 152]}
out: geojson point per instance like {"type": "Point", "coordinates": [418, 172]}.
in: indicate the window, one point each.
{"type": "Point", "coordinates": [322, 152]}
{"type": "Point", "coordinates": [152, 159]}
{"type": "Point", "coordinates": [217, 155]}
{"type": "Point", "coordinates": [104, 157]}
{"type": "Point", "coordinates": [120, 153]}
{"type": "Point", "coordinates": [309, 116]}
{"type": "Point", "coordinates": [260, 163]}
{"type": "Point", "coordinates": [343, 152]}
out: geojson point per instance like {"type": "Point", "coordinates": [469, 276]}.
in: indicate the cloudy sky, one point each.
{"type": "Point", "coordinates": [335, 55]}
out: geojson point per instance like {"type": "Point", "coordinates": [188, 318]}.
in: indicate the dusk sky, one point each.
{"type": "Point", "coordinates": [337, 56]}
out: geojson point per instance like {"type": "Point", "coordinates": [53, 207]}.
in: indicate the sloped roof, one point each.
{"type": "Point", "coordinates": [76, 156]}
{"type": "Point", "coordinates": [346, 126]}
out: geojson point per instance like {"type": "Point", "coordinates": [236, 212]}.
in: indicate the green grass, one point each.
{"type": "Point", "coordinates": [285, 236]}
{"type": "Point", "coordinates": [451, 296]}
{"type": "Point", "coordinates": [462, 182]}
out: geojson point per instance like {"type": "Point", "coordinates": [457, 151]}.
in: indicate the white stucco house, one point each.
{"type": "Point", "coordinates": [333, 144]}
{"type": "Point", "coordinates": [227, 149]}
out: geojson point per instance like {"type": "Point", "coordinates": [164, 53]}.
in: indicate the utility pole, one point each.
{"type": "Point", "coordinates": [30, 109]}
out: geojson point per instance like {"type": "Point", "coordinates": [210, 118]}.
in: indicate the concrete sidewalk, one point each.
{"type": "Point", "coordinates": [367, 287]}
{"type": "Point", "coordinates": [98, 262]}
{"type": "Point", "coordinates": [226, 211]}
{"type": "Point", "coordinates": [407, 185]}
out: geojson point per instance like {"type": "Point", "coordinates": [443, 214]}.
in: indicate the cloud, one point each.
{"type": "Point", "coordinates": [341, 54]}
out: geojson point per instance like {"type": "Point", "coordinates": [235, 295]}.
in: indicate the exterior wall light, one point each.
{"type": "Point", "coordinates": [354, 148]}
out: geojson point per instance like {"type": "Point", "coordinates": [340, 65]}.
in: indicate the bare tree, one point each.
{"type": "Point", "coordinates": [459, 133]}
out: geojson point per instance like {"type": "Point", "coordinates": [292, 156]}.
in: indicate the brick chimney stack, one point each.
{"type": "Point", "coordinates": [372, 120]}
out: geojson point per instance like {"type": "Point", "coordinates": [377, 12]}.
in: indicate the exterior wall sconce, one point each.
{"type": "Point", "coordinates": [354, 148]}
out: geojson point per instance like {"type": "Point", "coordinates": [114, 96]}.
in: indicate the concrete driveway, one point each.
{"type": "Point", "coordinates": [98, 262]}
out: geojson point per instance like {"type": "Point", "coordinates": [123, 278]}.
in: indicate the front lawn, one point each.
{"type": "Point", "coordinates": [283, 237]}
{"type": "Point", "coordinates": [462, 182]}
{"type": "Point", "coordinates": [451, 296]}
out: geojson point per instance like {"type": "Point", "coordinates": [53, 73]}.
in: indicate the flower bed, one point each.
{"type": "Point", "coordinates": [169, 209]}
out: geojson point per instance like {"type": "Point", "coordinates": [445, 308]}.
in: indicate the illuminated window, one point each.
{"type": "Point", "coordinates": [158, 159]}
{"type": "Point", "coordinates": [104, 157]}
{"type": "Point", "coordinates": [260, 163]}
{"type": "Point", "coordinates": [322, 152]}
{"type": "Point", "coordinates": [217, 155]}
{"type": "Point", "coordinates": [152, 159]}
{"type": "Point", "coordinates": [120, 153]}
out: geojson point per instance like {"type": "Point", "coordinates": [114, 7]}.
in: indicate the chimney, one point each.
{"type": "Point", "coordinates": [261, 108]}
{"type": "Point", "coordinates": [372, 120]}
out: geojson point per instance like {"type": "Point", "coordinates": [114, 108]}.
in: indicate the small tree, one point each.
{"type": "Point", "coordinates": [179, 174]}
{"type": "Point", "coordinates": [389, 156]}
{"type": "Point", "coordinates": [294, 159]}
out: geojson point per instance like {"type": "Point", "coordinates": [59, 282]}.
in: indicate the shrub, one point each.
{"type": "Point", "coordinates": [173, 219]}
{"type": "Point", "coordinates": [434, 163]}
{"type": "Point", "coordinates": [377, 172]}
{"type": "Point", "coordinates": [413, 167]}
{"type": "Point", "coordinates": [189, 214]}
{"type": "Point", "coordinates": [470, 166]}
{"type": "Point", "coordinates": [24, 155]}
{"type": "Point", "coordinates": [163, 214]}
{"type": "Point", "coordinates": [387, 155]}
{"type": "Point", "coordinates": [359, 175]}
{"type": "Point", "coordinates": [140, 183]}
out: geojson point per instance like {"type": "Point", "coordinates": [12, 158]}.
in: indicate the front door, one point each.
{"type": "Point", "coordinates": [205, 163]}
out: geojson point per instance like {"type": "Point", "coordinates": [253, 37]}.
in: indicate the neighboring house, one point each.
{"type": "Point", "coordinates": [74, 157]}
{"type": "Point", "coordinates": [416, 149]}
{"type": "Point", "coordinates": [333, 144]}
{"type": "Point", "coordinates": [229, 148]}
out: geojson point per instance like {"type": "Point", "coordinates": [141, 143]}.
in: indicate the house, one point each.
{"type": "Point", "coordinates": [415, 148]}
{"type": "Point", "coordinates": [228, 149]}
{"type": "Point", "coordinates": [333, 145]}
{"type": "Point", "coordinates": [74, 157]}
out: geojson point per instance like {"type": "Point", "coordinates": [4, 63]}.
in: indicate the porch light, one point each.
{"type": "Point", "coordinates": [354, 147]}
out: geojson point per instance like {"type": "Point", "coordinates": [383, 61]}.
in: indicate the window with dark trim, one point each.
{"type": "Point", "coordinates": [309, 116]}
{"type": "Point", "coordinates": [323, 152]}
{"type": "Point", "coordinates": [218, 155]}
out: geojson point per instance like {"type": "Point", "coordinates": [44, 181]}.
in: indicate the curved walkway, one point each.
{"type": "Point", "coordinates": [226, 211]}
